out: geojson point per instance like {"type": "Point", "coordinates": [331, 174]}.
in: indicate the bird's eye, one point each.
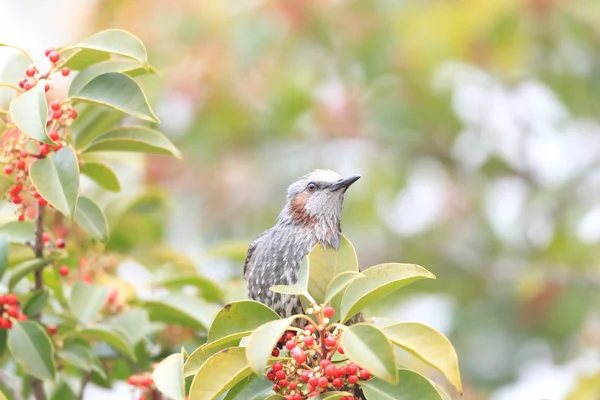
{"type": "Point", "coordinates": [311, 187]}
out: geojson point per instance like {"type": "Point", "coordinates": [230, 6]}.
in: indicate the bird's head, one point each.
{"type": "Point", "coordinates": [317, 198]}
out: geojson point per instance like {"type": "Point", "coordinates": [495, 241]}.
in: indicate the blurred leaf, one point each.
{"type": "Point", "coordinates": [118, 91]}
{"type": "Point", "coordinates": [332, 395]}
{"type": "Point", "coordinates": [181, 310]}
{"type": "Point", "coordinates": [24, 268]}
{"type": "Point", "coordinates": [29, 111]}
{"type": "Point", "coordinates": [110, 336]}
{"type": "Point", "coordinates": [220, 372]}
{"type": "Point", "coordinates": [380, 280]}
{"type": "Point", "coordinates": [78, 356]}
{"type": "Point", "coordinates": [32, 349]}
{"type": "Point", "coordinates": [413, 386]}
{"type": "Point", "coordinates": [339, 284]}
{"type": "Point", "coordinates": [5, 184]}
{"type": "Point", "coordinates": [87, 300]}
{"type": "Point", "coordinates": [3, 339]}
{"type": "Point", "coordinates": [134, 324]}
{"type": "Point", "coordinates": [253, 388]}
{"type": "Point", "coordinates": [587, 388]}
{"type": "Point", "coordinates": [63, 391]}
{"type": "Point", "coordinates": [133, 138]}
{"type": "Point", "coordinates": [83, 58]}
{"type": "Point", "coordinates": [102, 175]}
{"type": "Point", "coordinates": [116, 41]}
{"type": "Point", "coordinates": [210, 291]}
{"type": "Point", "coordinates": [233, 250]}
{"type": "Point", "coordinates": [91, 218]}
{"type": "Point", "coordinates": [56, 178]}
{"type": "Point", "coordinates": [239, 319]}
{"type": "Point", "coordinates": [261, 342]}
{"type": "Point", "coordinates": [93, 121]}
{"type": "Point", "coordinates": [36, 303]}
{"type": "Point", "coordinates": [18, 232]}
{"type": "Point", "coordinates": [168, 377]}
{"type": "Point", "coordinates": [368, 347]}
{"type": "Point", "coordinates": [201, 354]}
{"type": "Point", "coordinates": [3, 254]}
{"type": "Point", "coordinates": [429, 345]}
{"type": "Point", "coordinates": [86, 75]}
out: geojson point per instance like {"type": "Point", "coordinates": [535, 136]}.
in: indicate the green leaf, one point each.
{"type": "Point", "coordinates": [239, 319]}
{"type": "Point", "coordinates": [19, 232]}
{"type": "Point", "coordinates": [168, 377]}
{"type": "Point", "coordinates": [62, 391]}
{"type": "Point", "coordinates": [201, 354]}
{"type": "Point", "coordinates": [181, 310]}
{"type": "Point", "coordinates": [91, 218]}
{"type": "Point", "coordinates": [326, 264]}
{"type": "Point", "coordinates": [261, 342]}
{"type": "Point", "coordinates": [85, 76]}
{"type": "Point", "coordinates": [429, 345]}
{"type": "Point", "coordinates": [3, 254]}
{"type": "Point", "coordinates": [413, 386]}
{"type": "Point", "coordinates": [31, 347]}
{"type": "Point", "coordinates": [87, 300]}
{"type": "Point", "coordinates": [378, 282]}
{"type": "Point", "coordinates": [339, 283]}
{"type": "Point", "coordinates": [81, 59]}
{"type": "Point", "coordinates": [78, 356]}
{"type": "Point", "coordinates": [102, 175]}
{"type": "Point", "coordinates": [209, 290]}
{"type": "Point", "coordinates": [24, 268]}
{"type": "Point", "coordinates": [133, 324]}
{"type": "Point", "coordinates": [133, 138]}
{"type": "Point", "coordinates": [110, 336]}
{"type": "Point", "coordinates": [253, 388]}
{"type": "Point", "coordinates": [3, 339]}
{"type": "Point", "coordinates": [92, 122]}
{"type": "Point", "coordinates": [332, 396]}
{"type": "Point", "coordinates": [36, 303]}
{"type": "Point", "coordinates": [29, 111]}
{"type": "Point", "coordinates": [56, 178]}
{"type": "Point", "coordinates": [368, 347]}
{"type": "Point", "coordinates": [118, 91]}
{"type": "Point", "coordinates": [5, 184]}
{"type": "Point", "coordinates": [116, 41]}
{"type": "Point", "coordinates": [219, 373]}
{"type": "Point", "coordinates": [300, 287]}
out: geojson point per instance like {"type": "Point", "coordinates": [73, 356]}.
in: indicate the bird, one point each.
{"type": "Point", "coordinates": [312, 214]}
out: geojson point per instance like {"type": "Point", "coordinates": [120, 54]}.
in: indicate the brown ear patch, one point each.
{"type": "Point", "coordinates": [298, 208]}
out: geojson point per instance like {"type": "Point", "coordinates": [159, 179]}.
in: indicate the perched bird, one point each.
{"type": "Point", "coordinates": [311, 215]}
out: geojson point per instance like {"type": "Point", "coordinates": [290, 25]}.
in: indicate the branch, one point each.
{"type": "Point", "coordinates": [38, 248]}
{"type": "Point", "coordinates": [86, 379]}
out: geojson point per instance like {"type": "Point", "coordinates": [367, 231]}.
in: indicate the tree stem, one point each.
{"type": "Point", "coordinates": [38, 248]}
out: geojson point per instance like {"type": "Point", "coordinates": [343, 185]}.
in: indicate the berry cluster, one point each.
{"type": "Point", "coordinates": [145, 383]}
{"type": "Point", "coordinates": [10, 310]}
{"type": "Point", "coordinates": [33, 75]}
{"type": "Point", "coordinates": [310, 371]}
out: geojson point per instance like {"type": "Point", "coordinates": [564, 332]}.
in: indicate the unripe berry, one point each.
{"type": "Point", "coordinates": [54, 56]}
{"type": "Point", "coordinates": [63, 270]}
{"type": "Point", "coordinates": [65, 71]}
{"type": "Point", "coordinates": [330, 341]}
{"type": "Point", "coordinates": [352, 379]}
{"type": "Point", "coordinates": [53, 135]}
{"type": "Point", "coordinates": [8, 169]}
{"type": "Point", "coordinates": [30, 71]}
{"type": "Point", "coordinates": [323, 382]}
{"type": "Point", "coordinates": [328, 311]}
{"type": "Point", "coordinates": [52, 329]}
{"type": "Point", "coordinates": [20, 164]}
{"type": "Point", "coordinates": [60, 243]}
{"type": "Point", "coordinates": [299, 355]}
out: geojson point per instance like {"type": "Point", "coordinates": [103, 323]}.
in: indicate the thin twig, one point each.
{"type": "Point", "coordinates": [10, 85]}
{"type": "Point", "coordinates": [86, 379]}
{"type": "Point", "coordinates": [38, 248]}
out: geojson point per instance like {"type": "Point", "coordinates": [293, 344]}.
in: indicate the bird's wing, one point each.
{"type": "Point", "coordinates": [251, 249]}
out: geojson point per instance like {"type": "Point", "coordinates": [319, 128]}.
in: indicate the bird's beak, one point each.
{"type": "Point", "coordinates": [345, 183]}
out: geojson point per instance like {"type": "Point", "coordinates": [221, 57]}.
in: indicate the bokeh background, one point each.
{"type": "Point", "coordinates": [474, 124]}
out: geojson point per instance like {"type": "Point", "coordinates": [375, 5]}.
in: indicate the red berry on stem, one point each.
{"type": "Point", "coordinates": [30, 71]}
{"type": "Point", "coordinates": [16, 200]}
{"type": "Point", "coordinates": [270, 374]}
{"type": "Point", "coordinates": [292, 385]}
{"type": "Point", "coordinates": [332, 371]}
{"type": "Point", "coordinates": [323, 382]}
{"type": "Point", "coordinates": [60, 243]}
{"type": "Point", "coordinates": [20, 164]}
{"type": "Point", "coordinates": [352, 369]}
{"type": "Point", "coordinates": [22, 83]}
{"type": "Point", "coordinates": [290, 344]}
{"type": "Point", "coordinates": [55, 105]}
{"type": "Point", "coordinates": [8, 169]}
{"type": "Point", "coordinates": [27, 85]}
{"type": "Point", "coordinates": [21, 317]}
{"type": "Point", "coordinates": [47, 87]}
{"type": "Point", "coordinates": [42, 202]}
{"type": "Point", "coordinates": [146, 381]}
{"type": "Point", "coordinates": [53, 135]}
{"type": "Point", "coordinates": [352, 379]}
{"type": "Point", "coordinates": [277, 367]}
{"type": "Point", "coordinates": [325, 363]}
{"type": "Point", "coordinates": [15, 190]}
{"type": "Point", "coordinates": [337, 383]}
{"type": "Point", "coordinates": [12, 310]}
{"type": "Point", "coordinates": [311, 328]}
{"type": "Point", "coordinates": [57, 114]}
{"type": "Point", "coordinates": [46, 237]}
{"type": "Point", "coordinates": [54, 56]}
{"type": "Point", "coordinates": [72, 113]}
{"type": "Point", "coordinates": [112, 296]}
{"type": "Point", "coordinates": [48, 51]}
{"type": "Point", "coordinates": [65, 71]}
{"type": "Point", "coordinates": [21, 218]}
{"type": "Point", "coordinates": [275, 352]}
{"type": "Point", "coordinates": [329, 311]}
{"type": "Point", "coordinates": [313, 381]}
{"type": "Point", "coordinates": [280, 375]}
{"type": "Point", "coordinates": [330, 341]}
{"type": "Point", "coordinates": [305, 376]}
{"type": "Point", "coordinates": [290, 335]}
{"type": "Point", "coordinates": [299, 355]}
{"type": "Point", "coordinates": [58, 147]}
{"type": "Point", "coordinates": [12, 299]}
{"type": "Point", "coordinates": [44, 149]}
{"type": "Point", "coordinates": [364, 374]}
{"type": "Point", "coordinates": [282, 383]}
{"type": "Point", "coordinates": [340, 350]}
{"type": "Point", "coordinates": [52, 329]}
{"type": "Point", "coordinates": [309, 340]}
{"type": "Point", "coordinates": [297, 396]}
{"type": "Point", "coordinates": [63, 270]}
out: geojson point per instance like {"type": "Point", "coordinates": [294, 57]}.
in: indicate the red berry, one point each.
{"type": "Point", "coordinates": [298, 355]}
{"type": "Point", "coordinates": [54, 56]}
{"type": "Point", "coordinates": [47, 87]}
{"type": "Point", "coordinates": [313, 381]}
{"type": "Point", "coordinates": [297, 396]}
{"type": "Point", "coordinates": [282, 383]}
{"type": "Point", "coordinates": [292, 385]}
{"type": "Point", "coordinates": [44, 149]}
{"type": "Point", "coordinates": [86, 278]}
{"type": "Point", "coordinates": [12, 310]}
{"type": "Point", "coordinates": [63, 270]}
{"type": "Point", "coordinates": [60, 243]}
{"type": "Point", "coordinates": [309, 340]}
{"type": "Point", "coordinates": [352, 379]}
{"type": "Point", "coordinates": [15, 190]}
{"type": "Point", "coordinates": [133, 380]}
{"type": "Point", "coordinates": [290, 335]}
{"type": "Point", "coordinates": [48, 51]}
{"type": "Point", "coordinates": [55, 105]}
{"type": "Point", "coordinates": [340, 350]}
{"type": "Point", "coordinates": [146, 381]}
{"type": "Point", "coordinates": [305, 376]}
{"type": "Point", "coordinates": [311, 328]}
{"type": "Point", "coordinates": [53, 135]}
{"type": "Point", "coordinates": [325, 363]}
{"type": "Point", "coordinates": [30, 71]}
{"type": "Point", "coordinates": [46, 238]}
{"type": "Point", "coordinates": [3, 299]}
{"type": "Point", "coordinates": [323, 382]}
{"type": "Point", "coordinates": [277, 367]}
{"type": "Point", "coordinates": [65, 71]}
{"type": "Point", "coordinates": [364, 374]}
{"type": "Point", "coordinates": [8, 169]}
{"type": "Point", "coordinates": [22, 83]}
{"type": "Point", "coordinates": [58, 147]}
{"type": "Point", "coordinates": [42, 202]}
{"type": "Point", "coordinates": [16, 200]}
{"type": "Point", "coordinates": [21, 218]}
{"type": "Point", "coordinates": [330, 341]}
{"type": "Point", "coordinates": [72, 113]}
{"type": "Point", "coordinates": [343, 371]}
{"type": "Point", "coordinates": [27, 85]}
{"type": "Point", "coordinates": [290, 344]}
{"type": "Point", "coordinates": [52, 330]}
{"type": "Point", "coordinates": [12, 299]}
{"type": "Point", "coordinates": [21, 317]}
{"type": "Point", "coordinates": [20, 164]}
{"type": "Point", "coordinates": [332, 371]}
{"type": "Point", "coordinates": [352, 369]}
{"type": "Point", "coordinates": [329, 311]}
{"type": "Point", "coordinates": [289, 397]}
{"type": "Point", "coordinates": [270, 374]}
{"type": "Point", "coordinates": [275, 352]}
{"type": "Point", "coordinates": [112, 296]}
{"type": "Point", "coordinates": [280, 375]}
{"type": "Point", "coordinates": [3, 323]}
{"type": "Point", "coordinates": [57, 114]}
{"type": "Point", "coordinates": [337, 383]}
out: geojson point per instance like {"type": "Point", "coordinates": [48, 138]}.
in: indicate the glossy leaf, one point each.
{"type": "Point", "coordinates": [102, 175]}
{"type": "Point", "coordinates": [378, 282]}
{"type": "Point", "coordinates": [111, 337]}
{"type": "Point", "coordinates": [91, 218]}
{"type": "Point", "coordinates": [83, 58]}
{"type": "Point", "coordinates": [138, 139]}
{"type": "Point", "coordinates": [413, 386]}
{"type": "Point", "coordinates": [116, 41]}
{"type": "Point", "coordinates": [219, 373]}
{"type": "Point", "coordinates": [367, 346]}
{"type": "Point", "coordinates": [261, 342]}
{"type": "Point", "coordinates": [339, 284]}
{"type": "Point", "coordinates": [36, 303]}
{"type": "Point", "coordinates": [182, 310]}
{"type": "Point", "coordinates": [429, 345]}
{"type": "Point", "coordinates": [200, 355]}
{"type": "Point", "coordinates": [18, 232]}
{"type": "Point", "coordinates": [3, 254]}
{"type": "Point", "coordinates": [168, 377]}
{"type": "Point", "coordinates": [24, 268]}
{"type": "Point", "coordinates": [87, 300]}
{"type": "Point", "coordinates": [89, 73]}
{"type": "Point", "coordinates": [252, 388]}
{"type": "Point", "coordinates": [327, 263]}
{"type": "Point", "coordinates": [56, 178]}
{"type": "Point", "coordinates": [93, 121]}
{"type": "Point", "coordinates": [78, 356]}
{"type": "Point", "coordinates": [29, 111]}
{"type": "Point", "coordinates": [239, 319]}
{"type": "Point", "coordinates": [32, 349]}
{"type": "Point", "coordinates": [118, 91]}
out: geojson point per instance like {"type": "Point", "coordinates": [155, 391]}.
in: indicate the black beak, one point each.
{"type": "Point", "coordinates": [345, 183]}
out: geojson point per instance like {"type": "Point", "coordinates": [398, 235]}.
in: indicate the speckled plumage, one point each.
{"type": "Point", "coordinates": [308, 217]}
